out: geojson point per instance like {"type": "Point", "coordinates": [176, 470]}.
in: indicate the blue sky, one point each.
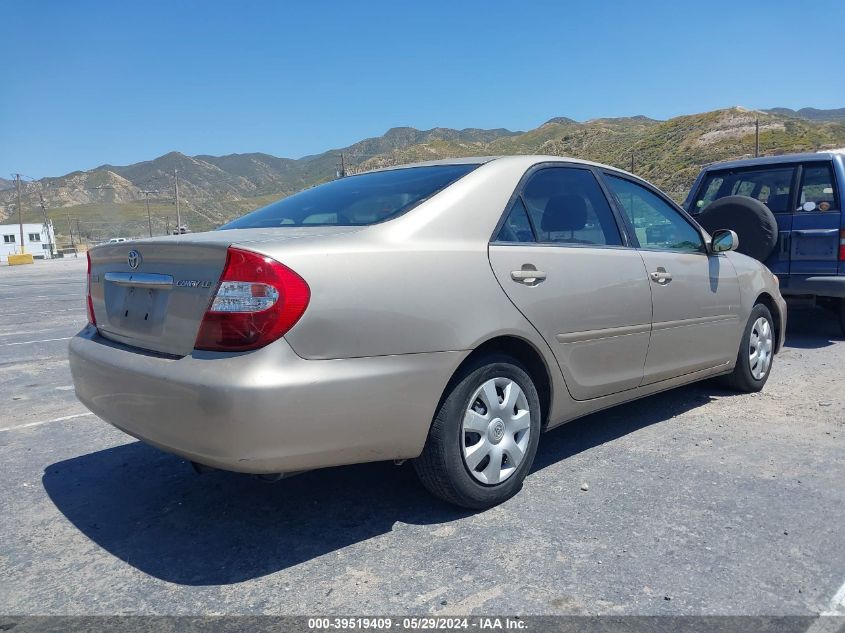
{"type": "Point", "coordinates": [87, 83]}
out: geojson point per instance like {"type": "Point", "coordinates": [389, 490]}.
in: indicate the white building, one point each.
{"type": "Point", "coordinates": [37, 240]}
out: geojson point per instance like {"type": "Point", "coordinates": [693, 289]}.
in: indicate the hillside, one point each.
{"type": "Point", "coordinates": [109, 200]}
{"type": "Point", "coordinates": [836, 115]}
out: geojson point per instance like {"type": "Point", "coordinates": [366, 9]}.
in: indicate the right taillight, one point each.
{"type": "Point", "coordinates": [257, 300]}
{"type": "Point", "coordinates": [842, 245]}
{"type": "Point", "coordinates": [91, 318]}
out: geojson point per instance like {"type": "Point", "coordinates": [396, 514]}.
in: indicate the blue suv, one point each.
{"type": "Point", "coordinates": [804, 193]}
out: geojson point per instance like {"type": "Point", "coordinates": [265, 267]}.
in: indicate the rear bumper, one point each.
{"type": "Point", "coordinates": [266, 411]}
{"type": "Point", "coordinates": [820, 286]}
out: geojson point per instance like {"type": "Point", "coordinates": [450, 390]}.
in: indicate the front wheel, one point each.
{"type": "Point", "coordinates": [484, 436]}
{"type": "Point", "coordinates": [756, 352]}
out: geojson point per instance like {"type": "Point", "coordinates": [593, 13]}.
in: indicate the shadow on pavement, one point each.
{"type": "Point", "coordinates": [811, 328]}
{"type": "Point", "coordinates": [149, 509]}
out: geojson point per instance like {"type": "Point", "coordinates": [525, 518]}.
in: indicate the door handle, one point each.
{"type": "Point", "coordinates": [660, 276]}
{"type": "Point", "coordinates": [816, 232]}
{"type": "Point", "coordinates": [528, 275]}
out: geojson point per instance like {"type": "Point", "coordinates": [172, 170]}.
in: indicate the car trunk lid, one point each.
{"type": "Point", "coordinates": [152, 294]}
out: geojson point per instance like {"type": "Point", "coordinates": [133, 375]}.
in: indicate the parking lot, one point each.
{"type": "Point", "coordinates": [698, 501]}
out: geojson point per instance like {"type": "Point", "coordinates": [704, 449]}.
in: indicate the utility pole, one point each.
{"type": "Point", "coordinates": [70, 228]}
{"type": "Point", "coordinates": [341, 172]}
{"type": "Point", "coordinates": [167, 225]}
{"type": "Point", "coordinates": [20, 211]}
{"type": "Point", "coordinates": [47, 226]}
{"type": "Point", "coordinates": [632, 161]}
{"type": "Point", "coordinates": [757, 137]}
{"type": "Point", "coordinates": [78, 231]}
{"type": "Point", "coordinates": [178, 214]}
{"type": "Point", "coordinates": [149, 217]}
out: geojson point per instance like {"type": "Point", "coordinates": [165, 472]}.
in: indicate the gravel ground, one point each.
{"type": "Point", "coordinates": [698, 501]}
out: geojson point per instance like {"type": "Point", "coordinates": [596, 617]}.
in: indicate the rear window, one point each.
{"type": "Point", "coordinates": [355, 200]}
{"type": "Point", "coordinates": [769, 185]}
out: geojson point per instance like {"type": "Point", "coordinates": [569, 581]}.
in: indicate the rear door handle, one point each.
{"type": "Point", "coordinates": [816, 232]}
{"type": "Point", "coordinates": [660, 276]}
{"type": "Point", "coordinates": [528, 275]}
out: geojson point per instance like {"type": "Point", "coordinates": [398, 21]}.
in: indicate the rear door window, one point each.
{"type": "Point", "coordinates": [817, 191]}
{"type": "Point", "coordinates": [567, 206]}
{"type": "Point", "coordinates": [516, 228]}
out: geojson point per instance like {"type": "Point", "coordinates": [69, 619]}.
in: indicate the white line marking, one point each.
{"type": "Point", "coordinates": [837, 603]}
{"type": "Point", "coordinates": [28, 332]}
{"type": "Point", "coordinates": [828, 621]}
{"type": "Point", "coordinates": [39, 423]}
{"type": "Point", "coordinates": [42, 312]}
{"type": "Point", "coordinates": [65, 297]}
{"type": "Point", "coordinates": [45, 340]}
{"type": "Point", "coordinates": [64, 388]}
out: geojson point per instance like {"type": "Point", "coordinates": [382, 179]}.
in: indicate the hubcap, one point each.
{"type": "Point", "coordinates": [760, 348]}
{"type": "Point", "coordinates": [495, 431]}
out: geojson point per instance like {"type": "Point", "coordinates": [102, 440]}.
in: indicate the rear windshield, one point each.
{"type": "Point", "coordinates": [769, 185]}
{"type": "Point", "coordinates": [355, 200]}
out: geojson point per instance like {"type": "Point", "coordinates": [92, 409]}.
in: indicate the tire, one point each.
{"type": "Point", "coordinates": [754, 223]}
{"type": "Point", "coordinates": [748, 377]}
{"type": "Point", "coordinates": [443, 468]}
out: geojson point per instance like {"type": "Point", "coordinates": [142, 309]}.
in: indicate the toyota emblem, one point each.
{"type": "Point", "coordinates": [134, 259]}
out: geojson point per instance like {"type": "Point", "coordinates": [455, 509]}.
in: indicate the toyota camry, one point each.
{"type": "Point", "coordinates": [447, 313]}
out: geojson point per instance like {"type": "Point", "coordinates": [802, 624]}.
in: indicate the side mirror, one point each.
{"type": "Point", "coordinates": [724, 240]}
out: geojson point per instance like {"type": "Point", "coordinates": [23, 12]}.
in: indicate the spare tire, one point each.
{"type": "Point", "coordinates": [751, 219]}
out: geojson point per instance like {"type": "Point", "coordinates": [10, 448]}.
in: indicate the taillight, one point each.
{"type": "Point", "coordinates": [842, 245]}
{"type": "Point", "coordinates": [256, 302]}
{"type": "Point", "coordinates": [91, 318]}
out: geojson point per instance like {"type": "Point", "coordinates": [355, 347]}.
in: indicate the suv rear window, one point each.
{"type": "Point", "coordinates": [769, 185]}
{"type": "Point", "coordinates": [355, 200]}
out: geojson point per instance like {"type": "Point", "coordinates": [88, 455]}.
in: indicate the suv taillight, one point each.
{"type": "Point", "coordinates": [842, 245]}
{"type": "Point", "coordinates": [91, 318]}
{"type": "Point", "coordinates": [256, 302]}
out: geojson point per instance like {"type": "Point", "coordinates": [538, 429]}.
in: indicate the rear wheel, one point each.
{"type": "Point", "coordinates": [484, 436]}
{"type": "Point", "coordinates": [756, 352]}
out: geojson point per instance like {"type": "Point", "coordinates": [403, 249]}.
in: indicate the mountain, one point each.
{"type": "Point", "coordinates": [836, 115]}
{"type": "Point", "coordinates": [6, 184]}
{"type": "Point", "coordinates": [111, 200]}
{"type": "Point", "coordinates": [668, 153]}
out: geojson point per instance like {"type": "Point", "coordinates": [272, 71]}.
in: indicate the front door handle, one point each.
{"type": "Point", "coordinates": [660, 276]}
{"type": "Point", "coordinates": [528, 275]}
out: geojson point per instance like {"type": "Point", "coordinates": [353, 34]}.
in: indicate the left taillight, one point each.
{"type": "Point", "coordinates": [257, 301]}
{"type": "Point", "coordinates": [842, 245]}
{"type": "Point", "coordinates": [91, 318]}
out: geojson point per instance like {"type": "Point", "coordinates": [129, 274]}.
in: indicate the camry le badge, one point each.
{"type": "Point", "coordinates": [134, 259]}
{"type": "Point", "coordinates": [193, 283]}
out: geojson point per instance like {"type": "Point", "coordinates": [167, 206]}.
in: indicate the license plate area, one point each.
{"type": "Point", "coordinates": [136, 311]}
{"type": "Point", "coordinates": [815, 245]}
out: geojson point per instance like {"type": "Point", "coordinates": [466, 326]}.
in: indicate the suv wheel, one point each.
{"type": "Point", "coordinates": [484, 436]}
{"type": "Point", "coordinates": [756, 352]}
